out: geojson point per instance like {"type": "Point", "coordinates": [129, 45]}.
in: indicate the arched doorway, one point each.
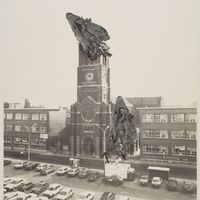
{"type": "Point", "coordinates": [88, 146]}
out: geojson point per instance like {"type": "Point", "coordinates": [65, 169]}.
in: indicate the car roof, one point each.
{"type": "Point", "coordinates": [66, 189]}
{"type": "Point", "coordinates": [122, 197]}
{"type": "Point", "coordinates": [86, 192]}
{"type": "Point", "coordinates": [54, 185]}
{"type": "Point", "coordinates": [156, 177]}
{"type": "Point", "coordinates": [63, 167]}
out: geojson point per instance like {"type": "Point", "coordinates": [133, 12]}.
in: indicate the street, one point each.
{"type": "Point", "coordinates": [132, 189]}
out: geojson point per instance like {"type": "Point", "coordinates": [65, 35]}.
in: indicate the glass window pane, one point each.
{"type": "Point", "coordinates": [178, 134]}
{"type": "Point", "coordinates": [18, 128]}
{"type": "Point", "coordinates": [177, 118]}
{"type": "Point", "coordinates": [8, 127]}
{"type": "Point", "coordinates": [9, 115]}
{"type": "Point", "coordinates": [191, 118]}
{"type": "Point", "coordinates": [35, 116]}
{"type": "Point", "coordinates": [18, 116]}
{"type": "Point", "coordinates": [43, 116]}
{"type": "Point", "coordinates": [25, 116]}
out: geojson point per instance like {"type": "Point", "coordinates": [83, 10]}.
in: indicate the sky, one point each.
{"type": "Point", "coordinates": [153, 43]}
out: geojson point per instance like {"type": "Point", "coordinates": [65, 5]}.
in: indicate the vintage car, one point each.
{"type": "Point", "coordinates": [86, 195]}
{"type": "Point", "coordinates": [93, 176]}
{"type": "Point", "coordinates": [40, 187]}
{"type": "Point", "coordinates": [108, 196]}
{"type": "Point", "coordinates": [144, 180]}
{"type": "Point", "coordinates": [113, 180]}
{"type": "Point", "coordinates": [156, 181]}
{"type": "Point", "coordinates": [73, 172]}
{"type": "Point", "coordinates": [20, 165]}
{"type": "Point", "coordinates": [14, 183]}
{"type": "Point", "coordinates": [84, 172]}
{"type": "Point", "coordinates": [62, 170]}
{"type": "Point", "coordinates": [25, 186]}
{"type": "Point", "coordinates": [47, 170]}
{"type": "Point", "coordinates": [52, 190]}
{"type": "Point", "coordinates": [64, 194]}
{"type": "Point", "coordinates": [31, 165]}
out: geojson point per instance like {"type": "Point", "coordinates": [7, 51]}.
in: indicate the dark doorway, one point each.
{"type": "Point", "coordinates": [88, 146]}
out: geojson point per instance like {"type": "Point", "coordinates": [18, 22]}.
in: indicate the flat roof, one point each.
{"type": "Point", "coordinates": [159, 168]}
{"type": "Point", "coordinates": [31, 109]}
{"type": "Point", "coordinates": [162, 108]}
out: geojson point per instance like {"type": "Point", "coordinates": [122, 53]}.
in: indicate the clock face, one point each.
{"type": "Point", "coordinates": [88, 113]}
{"type": "Point", "coordinates": [89, 76]}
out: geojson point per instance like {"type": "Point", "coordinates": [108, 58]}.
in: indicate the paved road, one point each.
{"type": "Point", "coordinates": [131, 189]}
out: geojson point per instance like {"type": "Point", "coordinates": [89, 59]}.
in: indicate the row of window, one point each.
{"type": "Point", "coordinates": [88, 128]}
{"type": "Point", "coordinates": [21, 140]}
{"type": "Point", "coordinates": [176, 150]}
{"type": "Point", "coordinates": [175, 134]}
{"type": "Point", "coordinates": [163, 118]}
{"type": "Point", "coordinates": [26, 116]}
{"type": "Point", "coordinates": [19, 128]}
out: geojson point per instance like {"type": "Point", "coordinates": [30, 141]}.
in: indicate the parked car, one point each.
{"type": "Point", "coordinates": [113, 180]}
{"type": "Point", "coordinates": [10, 195]}
{"type": "Point", "coordinates": [108, 196]}
{"type": "Point", "coordinates": [40, 198]}
{"type": "Point", "coordinates": [31, 165]}
{"type": "Point", "coordinates": [20, 165]}
{"type": "Point", "coordinates": [93, 176]}
{"type": "Point", "coordinates": [189, 187]}
{"type": "Point", "coordinates": [41, 166]}
{"type": "Point", "coordinates": [7, 180]}
{"type": "Point", "coordinates": [73, 172]}
{"type": "Point", "coordinates": [86, 196]}
{"type": "Point", "coordinates": [62, 170]}
{"type": "Point", "coordinates": [52, 190]}
{"type": "Point", "coordinates": [14, 183]}
{"type": "Point", "coordinates": [84, 172]}
{"type": "Point", "coordinates": [40, 187]}
{"type": "Point", "coordinates": [23, 196]}
{"type": "Point", "coordinates": [64, 194]}
{"type": "Point", "coordinates": [172, 185]}
{"type": "Point", "coordinates": [6, 162]}
{"type": "Point", "coordinates": [25, 186]}
{"type": "Point", "coordinates": [156, 182]}
{"type": "Point", "coordinates": [144, 180]}
{"type": "Point", "coordinates": [122, 197]}
{"type": "Point", "coordinates": [47, 170]}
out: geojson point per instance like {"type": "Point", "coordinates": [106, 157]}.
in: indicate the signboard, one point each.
{"type": "Point", "coordinates": [117, 169]}
{"type": "Point", "coordinates": [43, 136]}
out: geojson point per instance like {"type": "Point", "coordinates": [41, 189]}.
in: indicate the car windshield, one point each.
{"type": "Point", "coordinates": [38, 185]}
{"type": "Point", "coordinates": [51, 188]}
{"type": "Point", "coordinates": [63, 193]}
{"type": "Point", "coordinates": [144, 177]}
{"type": "Point", "coordinates": [156, 180]}
{"type": "Point", "coordinates": [14, 182]}
{"type": "Point", "coordinates": [82, 197]}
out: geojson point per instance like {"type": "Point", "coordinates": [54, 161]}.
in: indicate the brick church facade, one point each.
{"type": "Point", "coordinates": [91, 114]}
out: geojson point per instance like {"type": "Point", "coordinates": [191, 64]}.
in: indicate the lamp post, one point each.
{"type": "Point", "coordinates": [104, 135]}
{"type": "Point", "coordinates": [29, 137]}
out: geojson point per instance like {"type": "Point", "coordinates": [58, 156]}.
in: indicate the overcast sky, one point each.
{"type": "Point", "coordinates": [153, 42]}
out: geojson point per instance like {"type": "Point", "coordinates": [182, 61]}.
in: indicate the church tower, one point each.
{"type": "Point", "coordinates": [91, 114]}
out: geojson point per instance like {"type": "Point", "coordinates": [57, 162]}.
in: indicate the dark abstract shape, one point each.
{"type": "Point", "coordinates": [123, 132]}
{"type": "Point", "coordinates": [105, 155]}
{"type": "Point", "coordinates": [90, 36]}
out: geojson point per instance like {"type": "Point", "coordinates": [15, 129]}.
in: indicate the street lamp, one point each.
{"type": "Point", "coordinates": [104, 135]}
{"type": "Point", "coordinates": [29, 137]}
